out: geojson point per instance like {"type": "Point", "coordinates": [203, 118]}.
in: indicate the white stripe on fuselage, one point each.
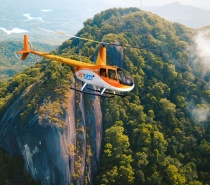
{"type": "Point", "coordinates": [93, 78]}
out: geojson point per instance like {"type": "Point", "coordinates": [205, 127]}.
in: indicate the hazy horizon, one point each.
{"type": "Point", "coordinates": [63, 15]}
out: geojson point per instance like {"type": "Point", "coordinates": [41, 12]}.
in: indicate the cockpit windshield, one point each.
{"type": "Point", "coordinates": [124, 77]}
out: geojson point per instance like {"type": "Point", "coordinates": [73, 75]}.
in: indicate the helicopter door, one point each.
{"type": "Point", "coordinates": [103, 72]}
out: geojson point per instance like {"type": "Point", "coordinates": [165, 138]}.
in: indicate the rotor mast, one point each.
{"type": "Point", "coordinates": [101, 59]}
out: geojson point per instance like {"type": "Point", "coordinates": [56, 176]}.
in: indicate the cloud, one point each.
{"type": "Point", "coordinates": [199, 113]}
{"type": "Point", "coordinates": [201, 52]}
{"type": "Point", "coordinates": [46, 10]}
{"type": "Point", "coordinates": [200, 61]}
{"type": "Point", "coordinates": [202, 40]}
{"type": "Point", "coordinates": [29, 18]}
{"type": "Point", "coordinates": [14, 30]}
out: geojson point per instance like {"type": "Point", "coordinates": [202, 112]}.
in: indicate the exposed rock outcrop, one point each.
{"type": "Point", "coordinates": [54, 154]}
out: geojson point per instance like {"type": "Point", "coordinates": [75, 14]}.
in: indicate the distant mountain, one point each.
{"type": "Point", "coordinates": [187, 15]}
{"type": "Point", "coordinates": [18, 18]}
{"type": "Point", "coordinates": [21, 17]}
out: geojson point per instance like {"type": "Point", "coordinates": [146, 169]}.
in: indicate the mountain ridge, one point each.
{"type": "Point", "coordinates": [148, 137]}
{"type": "Point", "coordinates": [184, 14]}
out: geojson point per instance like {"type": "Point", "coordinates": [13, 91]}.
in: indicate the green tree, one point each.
{"type": "Point", "coordinates": [173, 176]}
{"type": "Point", "coordinates": [116, 152]}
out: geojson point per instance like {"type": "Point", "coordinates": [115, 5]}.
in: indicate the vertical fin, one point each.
{"type": "Point", "coordinates": [26, 48]}
{"type": "Point", "coordinates": [26, 45]}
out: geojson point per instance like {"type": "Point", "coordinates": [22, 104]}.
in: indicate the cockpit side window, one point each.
{"type": "Point", "coordinates": [112, 74]}
{"type": "Point", "coordinates": [103, 72]}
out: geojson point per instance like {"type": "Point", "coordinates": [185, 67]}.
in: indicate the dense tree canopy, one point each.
{"type": "Point", "coordinates": [159, 133]}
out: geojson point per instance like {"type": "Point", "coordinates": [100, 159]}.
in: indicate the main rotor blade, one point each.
{"type": "Point", "coordinates": [71, 36]}
{"type": "Point", "coordinates": [98, 42]}
{"type": "Point", "coordinates": [136, 47]}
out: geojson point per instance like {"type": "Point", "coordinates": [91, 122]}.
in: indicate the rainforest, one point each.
{"type": "Point", "coordinates": [158, 134]}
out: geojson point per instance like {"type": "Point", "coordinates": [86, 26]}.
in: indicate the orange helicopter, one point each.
{"type": "Point", "coordinates": [105, 77]}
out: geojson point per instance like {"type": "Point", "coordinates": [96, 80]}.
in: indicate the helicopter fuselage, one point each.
{"type": "Point", "coordinates": [109, 77]}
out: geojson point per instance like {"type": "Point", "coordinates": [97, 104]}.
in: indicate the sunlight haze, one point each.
{"type": "Point", "coordinates": [204, 4]}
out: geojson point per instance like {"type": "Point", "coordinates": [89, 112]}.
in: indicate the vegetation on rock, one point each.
{"type": "Point", "coordinates": [152, 136]}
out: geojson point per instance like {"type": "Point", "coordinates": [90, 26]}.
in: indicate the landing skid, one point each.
{"type": "Point", "coordinates": [96, 94]}
{"type": "Point", "coordinates": [101, 93]}
{"type": "Point", "coordinates": [121, 95]}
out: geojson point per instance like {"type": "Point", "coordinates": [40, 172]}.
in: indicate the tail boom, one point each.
{"type": "Point", "coordinates": [67, 61]}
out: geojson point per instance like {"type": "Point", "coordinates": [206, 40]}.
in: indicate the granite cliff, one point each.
{"type": "Point", "coordinates": [55, 154]}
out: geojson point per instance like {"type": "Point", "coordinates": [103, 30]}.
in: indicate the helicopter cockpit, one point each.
{"type": "Point", "coordinates": [124, 77]}
{"type": "Point", "coordinates": [117, 74]}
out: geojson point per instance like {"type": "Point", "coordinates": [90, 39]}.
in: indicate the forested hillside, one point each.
{"type": "Point", "coordinates": [160, 132]}
{"type": "Point", "coordinates": [9, 61]}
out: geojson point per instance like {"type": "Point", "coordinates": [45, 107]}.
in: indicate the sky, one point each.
{"type": "Point", "coordinates": [203, 4]}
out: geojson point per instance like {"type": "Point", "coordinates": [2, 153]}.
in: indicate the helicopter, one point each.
{"type": "Point", "coordinates": [110, 80]}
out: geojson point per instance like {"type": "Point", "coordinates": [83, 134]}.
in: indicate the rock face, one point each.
{"type": "Point", "coordinates": [52, 154]}
{"type": "Point", "coordinates": [116, 55]}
